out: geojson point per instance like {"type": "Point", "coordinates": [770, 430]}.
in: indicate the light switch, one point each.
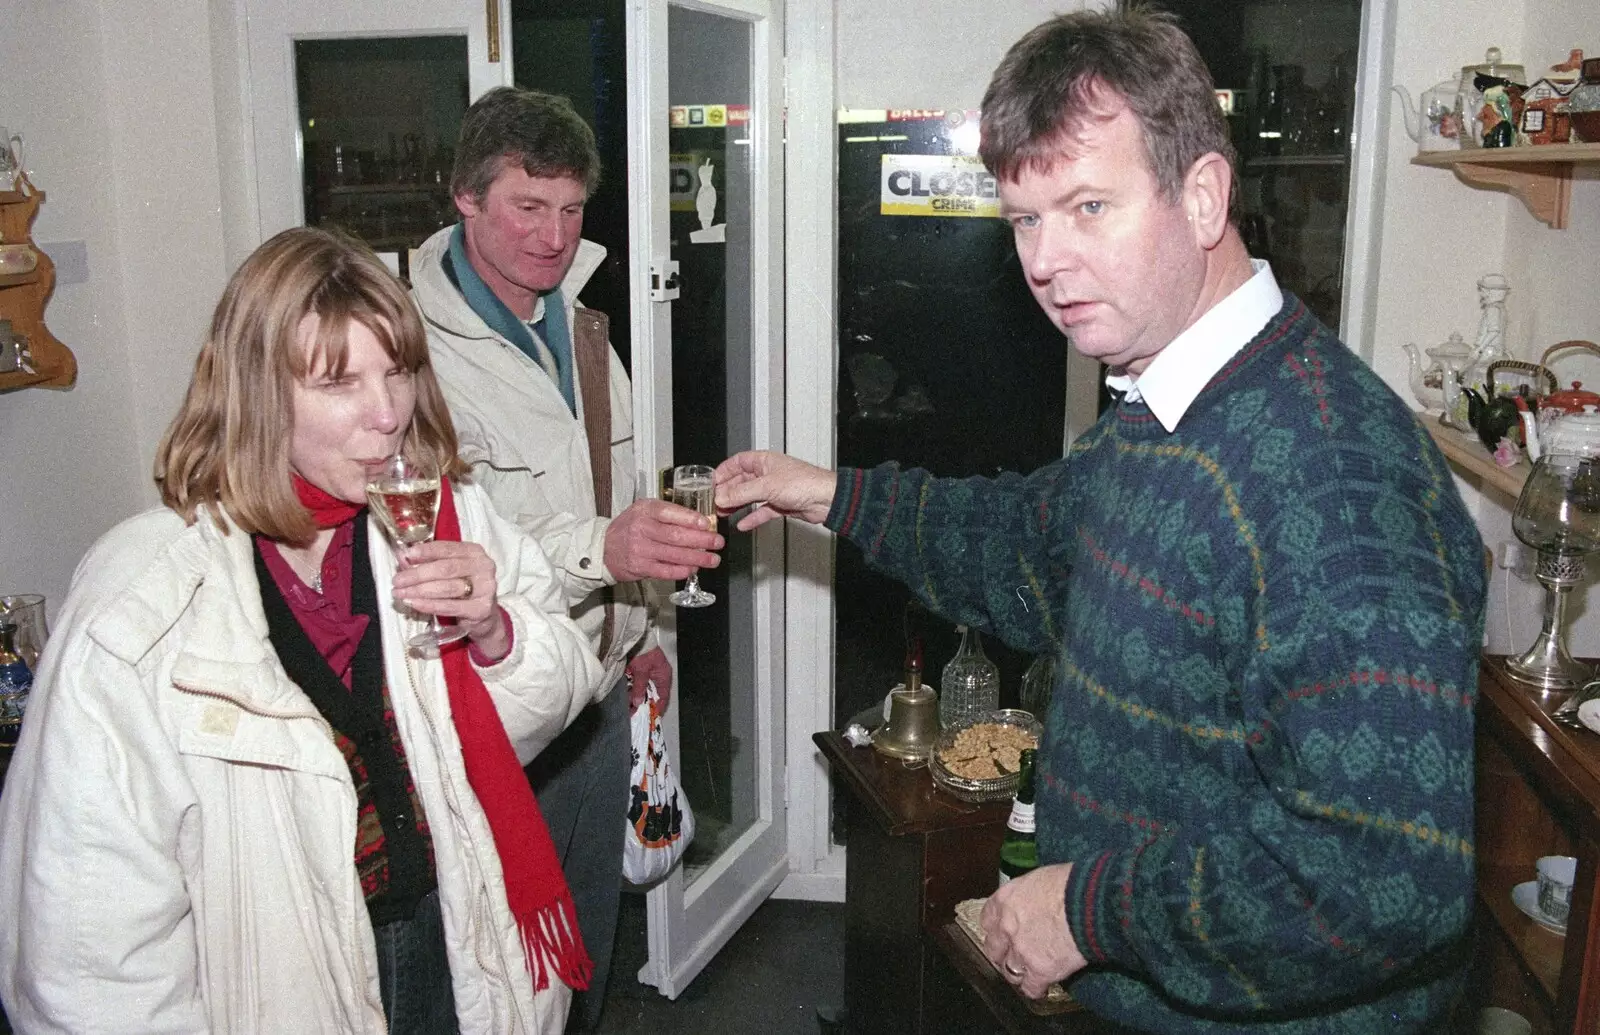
{"type": "Point", "coordinates": [71, 259]}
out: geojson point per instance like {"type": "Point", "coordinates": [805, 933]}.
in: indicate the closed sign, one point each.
{"type": "Point", "coordinates": [937, 185]}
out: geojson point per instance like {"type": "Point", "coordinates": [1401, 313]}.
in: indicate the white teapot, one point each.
{"type": "Point", "coordinates": [1433, 121]}
{"type": "Point", "coordinates": [1572, 434]}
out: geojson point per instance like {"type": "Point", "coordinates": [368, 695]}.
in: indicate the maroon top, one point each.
{"type": "Point", "coordinates": [326, 616]}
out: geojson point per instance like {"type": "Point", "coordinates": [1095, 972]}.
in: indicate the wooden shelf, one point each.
{"type": "Point", "coordinates": [1538, 951]}
{"type": "Point", "coordinates": [23, 297]}
{"type": "Point", "coordinates": [1540, 176]}
{"type": "Point", "coordinates": [19, 279]}
{"type": "Point", "coordinates": [1465, 451]}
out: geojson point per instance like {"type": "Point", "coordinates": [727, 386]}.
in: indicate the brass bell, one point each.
{"type": "Point", "coordinates": [913, 724]}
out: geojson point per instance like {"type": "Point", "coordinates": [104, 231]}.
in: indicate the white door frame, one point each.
{"type": "Point", "coordinates": [270, 29]}
{"type": "Point", "coordinates": [689, 922]}
{"type": "Point", "coordinates": [1369, 158]}
{"type": "Point", "coordinates": [816, 865]}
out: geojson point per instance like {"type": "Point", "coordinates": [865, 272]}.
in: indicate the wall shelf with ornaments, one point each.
{"type": "Point", "coordinates": [23, 297]}
{"type": "Point", "coordinates": [1467, 454]}
{"type": "Point", "coordinates": [1540, 176]}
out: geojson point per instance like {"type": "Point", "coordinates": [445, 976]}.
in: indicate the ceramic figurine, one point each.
{"type": "Point", "coordinates": [1470, 99]}
{"type": "Point", "coordinates": [1546, 117]}
{"type": "Point", "coordinates": [1567, 72]}
{"type": "Point", "coordinates": [1584, 103]}
{"type": "Point", "coordinates": [1497, 119]}
{"type": "Point", "coordinates": [1490, 344]}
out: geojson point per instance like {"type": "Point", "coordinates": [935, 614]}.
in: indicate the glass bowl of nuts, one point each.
{"type": "Point", "coordinates": [978, 760]}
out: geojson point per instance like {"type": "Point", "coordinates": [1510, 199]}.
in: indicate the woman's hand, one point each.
{"type": "Point", "coordinates": [455, 580]}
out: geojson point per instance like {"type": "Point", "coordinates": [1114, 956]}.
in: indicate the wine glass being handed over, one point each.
{"type": "Point", "coordinates": [692, 487]}
{"type": "Point", "coordinates": [404, 494]}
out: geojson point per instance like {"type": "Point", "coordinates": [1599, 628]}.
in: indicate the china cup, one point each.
{"type": "Point", "coordinates": [1556, 873]}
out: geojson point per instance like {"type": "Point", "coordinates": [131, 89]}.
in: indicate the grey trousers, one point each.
{"type": "Point", "coordinates": [581, 781]}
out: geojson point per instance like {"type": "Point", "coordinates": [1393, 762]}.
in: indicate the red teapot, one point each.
{"type": "Point", "coordinates": [1571, 400]}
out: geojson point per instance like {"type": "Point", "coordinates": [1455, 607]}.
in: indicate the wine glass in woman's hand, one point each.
{"type": "Point", "coordinates": [404, 494]}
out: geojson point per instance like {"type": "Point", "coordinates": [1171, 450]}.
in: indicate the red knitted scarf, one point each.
{"type": "Point", "coordinates": [327, 511]}
{"type": "Point", "coordinates": [536, 890]}
{"type": "Point", "coordinates": [535, 887]}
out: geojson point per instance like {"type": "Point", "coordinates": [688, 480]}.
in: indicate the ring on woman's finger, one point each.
{"type": "Point", "coordinates": [1015, 972]}
{"type": "Point", "coordinates": [467, 592]}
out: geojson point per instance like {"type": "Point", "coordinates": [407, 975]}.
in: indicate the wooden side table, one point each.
{"type": "Point", "coordinates": [914, 852]}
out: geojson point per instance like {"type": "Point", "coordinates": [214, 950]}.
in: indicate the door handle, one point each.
{"type": "Point", "coordinates": [664, 280]}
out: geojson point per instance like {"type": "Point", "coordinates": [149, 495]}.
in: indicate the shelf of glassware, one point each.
{"type": "Point", "coordinates": [1540, 176]}
{"type": "Point", "coordinates": [1465, 451]}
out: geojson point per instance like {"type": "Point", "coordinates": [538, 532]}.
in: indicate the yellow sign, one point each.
{"type": "Point", "coordinates": [683, 180]}
{"type": "Point", "coordinates": [937, 185]}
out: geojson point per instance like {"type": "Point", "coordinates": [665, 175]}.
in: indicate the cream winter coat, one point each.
{"type": "Point", "coordinates": [177, 828]}
{"type": "Point", "coordinates": [526, 448]}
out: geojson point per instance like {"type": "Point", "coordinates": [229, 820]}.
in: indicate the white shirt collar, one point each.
{"type": "Point", "coordinates": [1176, 376]}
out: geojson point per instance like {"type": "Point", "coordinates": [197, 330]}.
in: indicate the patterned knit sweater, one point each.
{"type": "Point", "coordinates": [1259, 753]}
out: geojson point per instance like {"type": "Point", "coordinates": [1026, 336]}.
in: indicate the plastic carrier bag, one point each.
{"type": "Point", "coordinates": [660, 822]}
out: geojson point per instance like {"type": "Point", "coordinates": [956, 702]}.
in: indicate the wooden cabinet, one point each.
{"type": "Point", "coordinates": [1538, 793]}
{"type": "Point", "coordinates": [23, 297]}
{"type": "Point", "coordinates": [914, 853]}
{"type": "Point", "coordinates": [1540, 176]}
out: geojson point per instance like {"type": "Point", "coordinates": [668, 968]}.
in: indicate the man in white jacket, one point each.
{"type": "Point", "coordinates": [543, 407]}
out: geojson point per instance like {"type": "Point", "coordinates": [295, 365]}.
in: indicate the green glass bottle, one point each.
{"type": "Point", "coordinates": [1019, 853]}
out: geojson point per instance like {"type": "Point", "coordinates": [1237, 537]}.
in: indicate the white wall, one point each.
{"type": "Point", "coordinates": [119, 127]}
{"type": "Point", "coordinates": [69, 460]}
{"type": "Point", "coordinates": [917, 54]}
{"type": "Point", "coordinates": [1440, 236]}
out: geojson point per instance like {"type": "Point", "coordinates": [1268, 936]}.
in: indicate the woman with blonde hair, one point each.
{"type": "Point", "coordinates": [239, 803]}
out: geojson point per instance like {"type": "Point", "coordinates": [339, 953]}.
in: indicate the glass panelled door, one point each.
{"type": "Point", "coordinates": [355, 109]}
{"type": "Point", "coordinates": [706, 226]}
{"type": "Point", "coordinates": [1288, 71]}
{"type": "Point", "coordinates": [945, 362]}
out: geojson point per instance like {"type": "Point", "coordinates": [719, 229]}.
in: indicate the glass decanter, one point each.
{"type": "Point", "coordinates": [970, 683]}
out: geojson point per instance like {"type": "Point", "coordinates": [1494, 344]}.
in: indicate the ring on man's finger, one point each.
{"type": "Point", "coordinates": [1015, 971]}
{"type": "Point", "coordinates": [467, 592]}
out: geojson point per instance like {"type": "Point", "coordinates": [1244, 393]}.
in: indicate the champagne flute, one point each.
{"type": "Point", "coordinates": [692, 487]}
{"type": "Point", "coordinates": [404, 494]}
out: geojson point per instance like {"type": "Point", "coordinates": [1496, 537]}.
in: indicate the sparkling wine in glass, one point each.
{"type": "Point", "coordinates": [692, 487]}
{"type": "Point", "coordinates": [404, 494]}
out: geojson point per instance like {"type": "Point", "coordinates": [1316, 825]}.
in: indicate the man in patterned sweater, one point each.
{"type": "Point", "coordinates": [1255, 787]}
